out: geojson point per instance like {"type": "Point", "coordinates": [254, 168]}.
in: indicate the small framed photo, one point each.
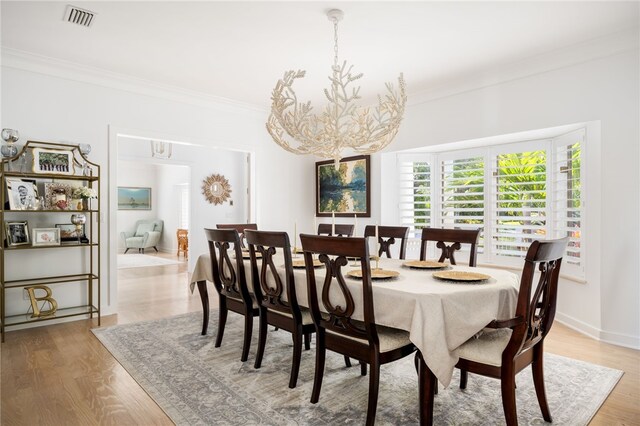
{"type": "Point", "coordinates": [57, 196]}
{"type": "Point", "coordinates": [69, 232]}
{"type": "Point", "coordinates": [130, 198]}
{"type": "Point", "coordinates": [53, 162]}
{"type": "Point", "coordinates": [22, 194]}
{"type": "Point", "coordinates": [17, 233]}
{"type": "Point", "coordinates": [46, 237]}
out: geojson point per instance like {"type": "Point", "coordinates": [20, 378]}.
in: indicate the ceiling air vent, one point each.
{"type": "Point", "coordinates": [75, 15]}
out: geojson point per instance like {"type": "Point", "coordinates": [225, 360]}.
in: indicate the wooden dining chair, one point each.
{"type": "Point", "coordinates": [240, 227]}
{"type": "Point", "coordinates": [450, 240]}
{"type": "Point", "coordinates": [506, 347]}
{"type": "Point", "coordinates": [342, 229]}
{"type": "Point", "coordinates": [276, 295]}
{"type": "Point", "coordinates": [387, 237]}
{"type": "Point", "coordinates": [336, 329]}
{"type": "Point", "coordinates": [231, 284]}
{"type": "Point", "coordinates": [183, 242]}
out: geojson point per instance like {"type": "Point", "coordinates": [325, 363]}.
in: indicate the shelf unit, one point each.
{"type": "Point", "coordinates": [23, 166]}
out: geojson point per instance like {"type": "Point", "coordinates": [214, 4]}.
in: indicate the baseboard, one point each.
{"type": "Point", "coordinates": [618, 339]}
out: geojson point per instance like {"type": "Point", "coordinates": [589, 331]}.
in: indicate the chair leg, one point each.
{"type": "Point", "coordinates": [126, 250]}
{"type": "Point", "coordinates": [538, 381]}
{"type": "Point", "coordinates": [363, 368]}
{"type": "Point", "coordinates": [374, 383]}
{"type": "Point", "coordinates": [262, 339]}
{"type": "Point", "coordinates": [427, 384]}
{"type": "Point", "coordinates": [155, 248]}
{"type": "Point", "coordinates": [297, 354]}
{"type": "Point", "coordinates": [320, 355]}
{"type": "Point", "coordinates": [307, 341]}
{"type": "Point", "coordinates": [248, 329]}
{"type": "Point", "coordinates": [463, 379]}
{"type": "Point", "coordinates": [204, 298]}
{"type": "Point", "coordinates": [347, 361]}
{"type": "Point", "coordinates": [222, 320]}
{"type": "Point", "coordinates": [508, 388]}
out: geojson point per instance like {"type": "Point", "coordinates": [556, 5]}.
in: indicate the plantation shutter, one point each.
{"type": "Point", "coordinates": [414, 178]}
{"type": "Point", "coordinates": [461, 201]}
{"type": "Point", "coordinates": [519, 198]}
{"type": "Point", "coordinates": [567, 195]}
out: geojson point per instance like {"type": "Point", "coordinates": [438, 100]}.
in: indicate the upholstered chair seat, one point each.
{"type": "Point", "coordinates": [486, 348]}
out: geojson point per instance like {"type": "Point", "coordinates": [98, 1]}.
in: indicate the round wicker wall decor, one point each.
{"type": "Point", "coordinates": [216, 189]}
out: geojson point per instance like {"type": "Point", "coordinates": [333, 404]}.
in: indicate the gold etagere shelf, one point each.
{"type": "Point", "coordinates": [36, 166]}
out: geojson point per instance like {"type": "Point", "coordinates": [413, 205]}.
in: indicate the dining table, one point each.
{"type": "Point", "coordinates": [440, 315]}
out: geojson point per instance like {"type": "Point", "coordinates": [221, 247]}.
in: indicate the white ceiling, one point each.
{"type": "Point", "coordinates": [238, 50]}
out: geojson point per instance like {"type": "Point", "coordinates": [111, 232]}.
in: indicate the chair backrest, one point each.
{"type": "Point", "coordinates": [335, 313]}
{"type": "Point", "coordinates": [456, 237]}
{"type": "Point", "coordinates": [390, 233]}
{"type": "Point", "coordinates": [268, 284]}
{"type": "Point", "coordinates": [536, 306]}
{"type": "Point", "coordinates": [228, 274]}
{"type": "Point", "coordinates": [342, 229]}
{"type": "Point", "coordinates": [240, 227]}
{"type": "Point", "coordinates": [157, 224]}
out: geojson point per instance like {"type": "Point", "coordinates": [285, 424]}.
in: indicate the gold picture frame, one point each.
{"type": "Point", "coordinates": [53, 162]}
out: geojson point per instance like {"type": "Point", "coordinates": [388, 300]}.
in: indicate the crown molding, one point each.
{"type": "Point", "coordinates": [27, 61]}
{"type": "Point", "coordinates": [602, 47]}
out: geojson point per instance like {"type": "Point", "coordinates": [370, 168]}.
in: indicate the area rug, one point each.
{"type": "Point", "coordinates": [142, 260]}
{"type": "Point", "coordinates": [197, 384]}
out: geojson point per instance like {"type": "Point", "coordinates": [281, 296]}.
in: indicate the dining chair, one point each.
{"type": "Point", "coordinates": [450, 240]}
{"type": "Point", "coordinates": [390, 233]}
{"type": "Point", "coordinates": [336, 329]}
{"type": "Point", "coordinates": [505, 347]}
{"type": "Point", "coordinates": [342, 229]}
{"type": "Point", "coordinates": [183, 242]}
{"type": "Point", "coordinates": [240, 227]}
{"type": "Point", "coordinates": [276, 295]}
{"type": "Point", "coordinates": [230, 283]}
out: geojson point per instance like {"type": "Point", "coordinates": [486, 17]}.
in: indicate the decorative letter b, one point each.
{"type": "Point", "coordinates": [47, 298]}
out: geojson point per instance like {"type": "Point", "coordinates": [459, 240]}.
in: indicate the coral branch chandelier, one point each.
{"type": "Point", "coordinates": [342, 124]}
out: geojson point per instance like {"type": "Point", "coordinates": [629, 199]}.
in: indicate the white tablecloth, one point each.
{"type": "Point", "coordinates": [439, 315]}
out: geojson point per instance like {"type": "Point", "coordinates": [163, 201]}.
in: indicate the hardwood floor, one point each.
{"type": "Point", "coordinates": [62, 375]}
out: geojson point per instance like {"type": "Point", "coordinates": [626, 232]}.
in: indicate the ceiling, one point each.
{"type": "Point", "coordinates": [238, 50]}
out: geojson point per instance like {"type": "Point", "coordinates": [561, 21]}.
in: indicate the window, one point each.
{"type": "Point", "coordinates": [415, 194]}
{"type": "Point", "coordinates": [516, 193]}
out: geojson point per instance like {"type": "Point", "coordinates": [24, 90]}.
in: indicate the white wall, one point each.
{"type": "Point", "coordinates": [170, 180]}
{"type": "Point", "coordinates": [605, 90]}
{"type": "Point", "coordinates": [141, 175]}
{"type": "Point", "coordinates": [46, 101]}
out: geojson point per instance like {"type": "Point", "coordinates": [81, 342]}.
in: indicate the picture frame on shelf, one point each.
{"type": "Point", "coordinates": [22, 194]}
{"type": "Point", "coordinates": [58, 196]}
{"type": "Point", "coordinates": [45, 237]}
{"type": "Point", "coordinates": [17, 233]}
{"type": "Point", "coordinates": [69, 232]}
{"type": "Point", "coordinates": [53, 161]}
{"type": "Point", "coordinates": [134, 198]}
{"type": "Point", "coordinates": [345, 191]}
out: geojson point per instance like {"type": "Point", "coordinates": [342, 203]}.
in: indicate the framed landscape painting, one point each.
{"type": "Point", "coordinates": [131, 198]}
{"type": "Point", "coordinates": [344, 191]}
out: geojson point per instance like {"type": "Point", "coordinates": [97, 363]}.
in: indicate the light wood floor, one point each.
{"type": "Point", "coordinates": [62, 375]}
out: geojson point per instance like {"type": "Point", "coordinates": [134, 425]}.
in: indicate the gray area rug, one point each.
{"type": "Point", "coordinates": [197, 384]}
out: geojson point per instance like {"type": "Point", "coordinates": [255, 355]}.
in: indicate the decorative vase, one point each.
{"type": "Point", "coordinates": [85, 204]}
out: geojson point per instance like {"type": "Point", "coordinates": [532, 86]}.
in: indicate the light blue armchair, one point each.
{"type": "Point", "coordinates": [147, 234]}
